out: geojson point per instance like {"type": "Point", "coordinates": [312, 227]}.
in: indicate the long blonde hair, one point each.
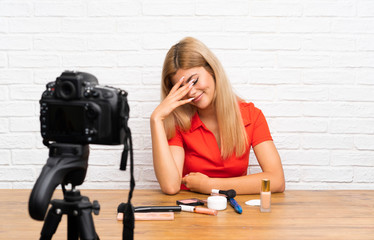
{"type": "Point", "coordinates": [190, 53]}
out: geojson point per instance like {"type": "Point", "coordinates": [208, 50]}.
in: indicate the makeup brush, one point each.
{"type": "Point", "coordinates": [229, 193]}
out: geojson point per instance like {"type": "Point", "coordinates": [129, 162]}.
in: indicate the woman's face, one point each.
{"type": "Point", "coordinates": [204, 88]}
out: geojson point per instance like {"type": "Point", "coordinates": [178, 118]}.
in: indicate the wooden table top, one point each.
{"type": "Point", "coordinates": [294, 215]}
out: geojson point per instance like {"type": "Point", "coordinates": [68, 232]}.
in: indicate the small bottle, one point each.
{"type": "Point", "coordinates": [265, 196]}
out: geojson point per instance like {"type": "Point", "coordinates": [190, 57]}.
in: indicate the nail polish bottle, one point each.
{"type": "Point", "coordinates": [265, 196]}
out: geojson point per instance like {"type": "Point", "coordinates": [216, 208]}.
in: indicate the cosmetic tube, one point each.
{"type": "Point", "coordinates": [199, 210]}
{"type": "Point", "coordinates": [235, 205]}
{"type": "Point", "coordinates": [265, 196]}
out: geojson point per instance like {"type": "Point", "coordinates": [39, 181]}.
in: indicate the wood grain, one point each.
{"type": "Point", "coordinates": [294, 215]}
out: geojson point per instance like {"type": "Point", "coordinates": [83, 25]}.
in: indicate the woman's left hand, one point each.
{"type": "Point", "coordinates": [197, 182]}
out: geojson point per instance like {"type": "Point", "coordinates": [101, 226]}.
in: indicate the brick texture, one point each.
{"type": "Point", "coordinates": [308, 65]}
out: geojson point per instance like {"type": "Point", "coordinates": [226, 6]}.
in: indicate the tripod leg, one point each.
{"type": "Point", "coordinates": [73, 227]}
{"type": "Point", "coordinates": [86, 225]}
{"type": "Point", "coordinates": [50, 224]}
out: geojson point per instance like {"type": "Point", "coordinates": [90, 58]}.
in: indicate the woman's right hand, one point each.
{"type": "Point", "coordinates": [173, 100]}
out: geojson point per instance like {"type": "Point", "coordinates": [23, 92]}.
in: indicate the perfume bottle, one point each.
{"type": "Point", "coordinates": [265, 196]}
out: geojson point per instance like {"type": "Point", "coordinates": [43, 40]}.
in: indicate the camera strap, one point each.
{"type": "Point", "coordinates": [128, 214]}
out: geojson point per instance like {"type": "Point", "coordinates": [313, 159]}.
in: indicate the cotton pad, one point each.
{"type": "Point", "coordinates": [253, 202]}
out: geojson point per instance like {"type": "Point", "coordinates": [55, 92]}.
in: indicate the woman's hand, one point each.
{"type": "Point", "coordinates": [173, 100]}
{"type": "Point", "coordinates": [197, 182]}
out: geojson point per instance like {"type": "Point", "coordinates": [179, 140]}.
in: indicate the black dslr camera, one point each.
{"type": "Point", "coordinates": [75, 109]}
{"type": "Point", "coordinates": [74, 112]}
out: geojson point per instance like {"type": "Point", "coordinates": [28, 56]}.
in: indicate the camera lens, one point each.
{"type": "Point", "coordinates": [67, 90]}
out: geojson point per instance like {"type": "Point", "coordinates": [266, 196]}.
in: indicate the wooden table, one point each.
{"type": "Point", "coordinates": [295, 215]}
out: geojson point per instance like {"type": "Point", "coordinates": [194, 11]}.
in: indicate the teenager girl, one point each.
{"type": "Point", "coordinates": [202, 132]}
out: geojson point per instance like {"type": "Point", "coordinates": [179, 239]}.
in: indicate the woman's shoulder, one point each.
{"type": "Point", "coordinates": [249, 111]}
{"type": "Point", "coordinates": [248, 106]}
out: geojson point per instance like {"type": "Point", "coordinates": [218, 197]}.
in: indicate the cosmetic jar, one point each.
{"type": "Point", "coordinates": [217, 202]}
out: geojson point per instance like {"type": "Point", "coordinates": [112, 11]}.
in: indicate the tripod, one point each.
{"type": "Point", "coordinates": [80, 222]}
{"type": "Point", "coordinates": [67, 163]}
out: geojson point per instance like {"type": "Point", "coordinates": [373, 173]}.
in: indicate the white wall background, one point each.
{"type": "Point", "coordinates": [309, 65]}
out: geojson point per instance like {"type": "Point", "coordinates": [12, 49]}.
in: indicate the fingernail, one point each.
{"type": "Point", "coordinates": [190, 99]}
{"type": "Point", "coordinates": [181, 79]}
{"type": "Point", "coordinates": [191, 83]}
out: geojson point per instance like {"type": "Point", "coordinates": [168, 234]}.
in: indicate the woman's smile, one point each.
{"type": "Point", "coordinates": [198, 98]}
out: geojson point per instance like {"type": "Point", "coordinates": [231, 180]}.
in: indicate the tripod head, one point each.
{"type": "Point", "coordinates": [67, 163]}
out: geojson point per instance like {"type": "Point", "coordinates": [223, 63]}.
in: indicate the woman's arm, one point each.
{"type": "Point", "coordinates": [270, 163]}
{"type": "Point", "coordinates": [168, 161]}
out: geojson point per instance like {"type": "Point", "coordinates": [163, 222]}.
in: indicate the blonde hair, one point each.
{"type": "Point", "coordinates": [190, 53]}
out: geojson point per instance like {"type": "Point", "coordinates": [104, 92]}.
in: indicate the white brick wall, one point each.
{"type": "Point", "coordinates": [309, 65]}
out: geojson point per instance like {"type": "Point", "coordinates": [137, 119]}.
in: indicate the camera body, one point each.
{"type": "Point", "coordinates": [76, 109]}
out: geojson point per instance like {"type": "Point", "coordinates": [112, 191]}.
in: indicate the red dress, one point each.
{"type": "Point", "coordinates": [202, 153]}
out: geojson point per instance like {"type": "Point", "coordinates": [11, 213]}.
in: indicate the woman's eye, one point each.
{"type": "Point", "coordinates": [197, 79]}
{"type": "Point", "coordinates": [189, 80]}
{"type": "Point", "coordinates": [194, 80]}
